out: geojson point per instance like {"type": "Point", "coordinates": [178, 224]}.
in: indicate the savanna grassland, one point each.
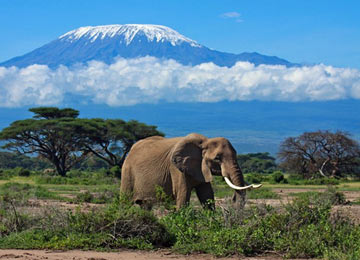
{"type": "Point", "coordinates": [85, 211]}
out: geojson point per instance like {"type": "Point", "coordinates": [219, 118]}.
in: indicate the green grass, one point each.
{"type": "Point", "coordinates": [303, 228]}
{"type": "Point", "coordinates": [15, 191]}
{"type": "Point", "coordinates": [262, 193]}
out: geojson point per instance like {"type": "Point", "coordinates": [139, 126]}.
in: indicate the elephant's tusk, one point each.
{"type": "Point", "coordinates": [256, 186]}
{"type": "Point", "coordinates": [228, 182]}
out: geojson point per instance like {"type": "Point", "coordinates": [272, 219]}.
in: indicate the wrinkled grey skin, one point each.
{"type": "Point", "coordinates": [179, 165]}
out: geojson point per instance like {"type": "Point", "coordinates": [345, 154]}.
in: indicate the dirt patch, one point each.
{"type": "Point", "coordinates": [122, 255]}
{"type": "Point", "coordinates": [286, 193]}
{"type": "Point", "coordinates": [352, 212]}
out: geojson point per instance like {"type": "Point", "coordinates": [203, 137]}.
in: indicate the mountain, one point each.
{"type": "Point", "coordinates": [105, 43]}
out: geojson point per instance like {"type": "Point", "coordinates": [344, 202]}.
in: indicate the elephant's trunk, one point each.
{"type": "Point", "coordinates": [235, 179]}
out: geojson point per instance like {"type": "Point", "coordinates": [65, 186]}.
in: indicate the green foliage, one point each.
{"type": "Point", "coordinates": [278, 177]}
{"type": "Point", "coordinates": [100, 195]}
{"type": "Point", "coordinates": [56, 140]}
{"type": "Point", "coordinates": [118, 225]}
{"type": "Point", "coordinates": [163, 199]}
{"type": "Point", "coordinates": [331, 196]}
{"type": "Point", "coordinates": [58, 180]}
{"type": "Point", "coordinates": [296, 179]}
{"type": "Point", "coordinates": [303, 228]}
{"type": "Point", "coordinates": [21, 193]}
{"type": "Point", "coordinates": [91, 163]}
{"type": "Point", "coordinates": [19, 171]}
{"type": "Point", "coordinates": [256, 177]}
{"type": "Point", "coordinates": [58, 136]}
{"type": "Point", "coordinates": [111, 139]}
{"type": "Point", "coordinates": [256, 162]}
{"type": "Point", "coordinates": [116, 171]}
{"type": "Point", "coordinates": [54, 112]}
{"type": "Point", "coordinates": [77, 177]}
{"type": "Point", "coordinates": [84, 197]}
{"type": "Point", "coordinates": [12, 160]}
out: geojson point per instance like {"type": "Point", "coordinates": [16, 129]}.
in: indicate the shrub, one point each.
{"type": "Point", "coordinates": [163, 199]}
{"type": "Point", "coordinates": [115, 171]}
{"type": "Point", "coordinates": [295, 180]}
{"type": "Point", "coordinates": [118, 225]}
{"type": "Point", "coordinates": [84, 197]}
{"type": "Point", "coordinates": [278, 177]}
{"type": "Point", "coordinates": [255, 178]}
{"type": "Point", "coordinates": [3, 175]}
{"type": "Point", "coordinates": [22, 172]}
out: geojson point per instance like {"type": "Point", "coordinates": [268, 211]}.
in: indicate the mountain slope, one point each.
{"type": "Point", "coordinates": [105, 43]}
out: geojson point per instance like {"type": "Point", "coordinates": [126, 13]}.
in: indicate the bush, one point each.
{"type": "Point", "coordinates": [303, 229]}
{"type": "Point", "coordinates": [116, 171]}
{"type": "Point", "coordinates": [84, 197]}
{"type": "Point", "coordinates": [19, 171]}
{"type": "Point", "coordinates": [118, 225]}
{"type": "Point", "coordinates": [255, 178]}
{"type": "Point", "coordinates": [3, 175]}
{"type": "Point", "coordinates": [278, 177]}
{"type": "Point", "coordinates": [296, 180]}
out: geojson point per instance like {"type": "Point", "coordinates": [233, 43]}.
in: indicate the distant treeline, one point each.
{"type": "Point", "coordinates": [62, 141]}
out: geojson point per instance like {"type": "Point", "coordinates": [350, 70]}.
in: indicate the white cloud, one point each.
{"type": "Point", "coordinates": [152, 80]}
{"type": "Point", "coordinates": [232, 15]}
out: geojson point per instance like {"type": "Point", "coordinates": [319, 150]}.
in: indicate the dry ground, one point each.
{"type": "Point", "coordinates": [121, 255]}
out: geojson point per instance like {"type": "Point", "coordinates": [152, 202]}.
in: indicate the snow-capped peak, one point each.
{"type": "Point", "coordinates": [158, 33]}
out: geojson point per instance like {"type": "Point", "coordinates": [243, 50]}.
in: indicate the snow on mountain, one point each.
{"type": "Point", "coordinates": [105, 43]}
{"type": "Point", "coordinates": [158, 33]}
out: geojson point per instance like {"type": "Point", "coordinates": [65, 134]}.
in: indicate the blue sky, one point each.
{"type": "Point", "coordinates": [300, 31]}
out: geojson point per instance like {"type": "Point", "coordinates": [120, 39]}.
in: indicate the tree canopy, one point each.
{"type": "Point", "coordinates": [112, 139]}
{"type": "Point", "coordinates": [320, 153]}
{"type": "Point", "coordinates": [256, 162]}
{"type": "Point", "coordinates": [53, 112]}
{"type": "Point", "coordinates": [62, 138]}
{"type": "Point", "coordinates": [49, 135]}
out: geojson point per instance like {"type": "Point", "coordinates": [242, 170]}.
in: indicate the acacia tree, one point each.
{"type": "Point", "coordinates": [65, 140]}
{"type": "Point", "coordinates": [112, 139]}
{"type": "Point", "coordinates": [52, 133]}
{"type": "Point", "coordinates": [322, 152]}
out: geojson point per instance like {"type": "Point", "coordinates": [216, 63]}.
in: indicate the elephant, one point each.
{"type": "Point", "coordinates": [179, 165]}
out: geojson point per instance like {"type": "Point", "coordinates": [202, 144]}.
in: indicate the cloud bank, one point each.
{"type": "Point", "coordinates": [152, 80]}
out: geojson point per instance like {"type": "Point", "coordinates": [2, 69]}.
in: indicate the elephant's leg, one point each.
{"type": "Point", "coordinates": [205, 194]}
{"type": "Point", "coordinates": [182, 197]}
{"type": "Point", "coordinates": [127, 186]}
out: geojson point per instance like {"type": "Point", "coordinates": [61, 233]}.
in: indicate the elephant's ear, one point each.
{"type": "Point", "coordinates": [187, 157]}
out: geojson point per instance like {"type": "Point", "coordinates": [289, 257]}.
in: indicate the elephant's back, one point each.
{"type": "Point", "coordinates": [156, 144]}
